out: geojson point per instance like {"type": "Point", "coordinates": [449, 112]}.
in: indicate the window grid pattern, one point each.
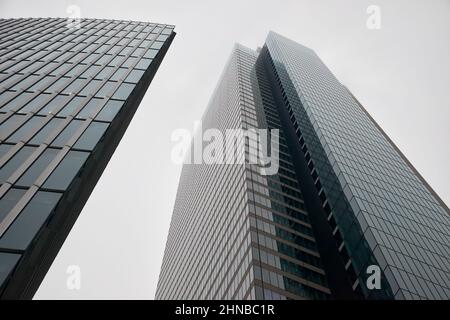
{"type": "Point", "coordinates": [60, 90]}
{"type": "Point", "coordinates": [236, 234]}
{"type": "Point", "coordinates": [382, 211]}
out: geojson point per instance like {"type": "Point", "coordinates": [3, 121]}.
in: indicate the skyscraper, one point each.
{"type": "Point", "coordinates": [68, 90]}
{"type": "Point", "coordinates": [345, 216]}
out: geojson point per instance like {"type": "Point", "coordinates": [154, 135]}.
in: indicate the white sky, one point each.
{"type": "Point", "coordinates": [400, 73]}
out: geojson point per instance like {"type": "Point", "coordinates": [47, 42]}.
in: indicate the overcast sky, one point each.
{"type": "Point", "coordinates": [400, 73]}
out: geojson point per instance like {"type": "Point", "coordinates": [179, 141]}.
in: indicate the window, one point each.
{"type": "Point", "coordinates": [30, 176]}
{"type": "Point", "coordinates": [138, 52]}
{"type": "Point", "coordinates": [75, 86]}
{"type": "Point", "coordinates": [162, 37]}
{"type": "Point", "coordinates": [67, 133]}
{"type": "Point", "coordinates": [8, 261]}
{"type": "Point", "coordinates": [106, 90]}
{"type": "Point", "coordinates": [91, 88]}
{"type": "Point", "coordinates": [32, 124]}
{"type": "Point", "coordinates": [157, 45]}
{"type": "Point", "coordinates": [4, 148]}
{"type": "Point", "coordinates": [109, 111]}
{"type": "Point", "coordinates": [90, 108]}
{"type": "Point", "coordinates": [134, 76]}
{"type": "Point", "coordinates": [36, 103]}
{"type": "Point", "coordinates": [71, 107]}
{"type": "Point", "coordinates": [117, 61]}
{"type": "Point", "coordinates": [30, 221]}
{"type": "Point", "coordinates": [54, 105]}
{"type": "Point", "coordinates": [120, 74]}
{"type": "Point", "coordinates": [143, 64]}
{"type": "Point", "coordinates": [105, 73]}
{"type": "Point", "coordinates": [75, 71]}
{"type": "Point", "coordinates": [91, 136]}
{"type": "Point", "coordinates": [5, 96]}
{"type": "Point", "coordinates": [45, 132]}
{"type": "Point", "coordinates": [66, 171]}
{"type": "Point", "coordinates": [123, 92]}
{"type": "Point", "coordinates": [130, 62]}
{"type": "Point", "coordinates": [91, 71]}
{"type": "Point", "coordinates": [17, 102]}
{"type": "Point", "coordinates": [9, 200]}
{"type": "Point", "coordinates": [15, 162]}
{"type": "Point", "coordinates": [26, 82]}
{"type": "Point", "coordinates": [7, 126]}
{"type": "Point", "coordinates": [61, 69]}
{"type": "Point", "coordinates": [57, 86]}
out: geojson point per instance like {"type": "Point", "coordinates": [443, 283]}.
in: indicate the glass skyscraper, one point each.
{"type": "Point", "coordinates": [68, 90]}
{"type": "Point", "coordinates": [344, 207]}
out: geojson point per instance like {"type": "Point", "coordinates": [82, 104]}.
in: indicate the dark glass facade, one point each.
{"type": "Point", "coordinates": [344, 197]}
{"type": "Point", "coordinates": [67, 95]}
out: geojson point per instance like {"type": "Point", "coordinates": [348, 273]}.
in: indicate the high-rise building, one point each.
{"type": "Point", "coordinates": [345, 216]}
{"type": "Point", "coordinates": [68, 90]}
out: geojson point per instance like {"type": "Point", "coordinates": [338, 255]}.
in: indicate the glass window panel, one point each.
{"type": "Point", "coordinates": [9, 200]}
{"type": "Point", "coordinates": [25, 83]}
{"type": "Point", "coordinates": [75, 86]}
{"type": "Point", "coordinates": [126, 51]}
{"type": "Point", "coordinates": [17, 102]}
{"type": "Point", "coordinates": [5, 96]}
{"type": "Point", "coordinates": [134, 76]}
{"type": "Point", "coordinates": [61, 69]}
{"type": "Point", "coordinates": [138, 52]}
{"type": "Point", "coordinates": [7, 126]}
{"type": "Point", "coordinates": [150, 54]}
{"type": "Point", "coordinates": [58, 85]}
{"type": "Point", "coordinates": [157, 45]}
{"type": "Point", "coordinates": [162, 37]}
{"type": "Point", "coordinates": [106, 90]}
{"type": "Point", "coordinates": [91, 58]}
{"type": "Point", "coordinates": [110, 110]}
{"type": "Point", "coordinates": [36, 103]}
{"type": "Point", "coordinates": [67, 133]}
{"type": "Point", "coordinates": [26, 129]}
{"type": "Point", "coordinates": [89, 109]}
{"type": "Point", "coordinates": [30, 176]}
{"type": "Point", "coordinates": [130, 62]}
{"type": "Point", "coordinates": [42, 135]}
{"type": "Point", "coordinates": [91, 71]}
{"type": "Point", "coordinates": [68, 168]}
{"type": "Point", "coordinates": [47, 68]}
{"type": "Point", "coordinates": [117, 61]}
{"type": "Point", "coordinates": [143, 64]}
{"type": "Point", "coordinates": [30, 221]}
{"type": "Point", "coordinates": [167, 31]}
{"type": "Point", "coordinates": [103, 59]}
{"type": "Point", "coordinates": [91, 136]}
{"type": "Point", "coordinates": [123, 92]}
{"type": "Point", "coordinates": [54, 105]}
{"type": "Point", "coordinates": [91, 88]}
{"type": "Point", "coordinates": [15, 162]}
{"type": "Point", "coordinates": [71, 107]}
{"type": "Point", "coordinates": [4, 148]}
{"type": "Point", "coordinates": [10, 80]}
{"type": "Point", "coordinates": [75, 71]}
{"type": "Point", "coordinates": [7, 262]}
{"type": "Point", "coordinates": [120, 74]}
{"type": "Point", "coordinates": [105, 73]}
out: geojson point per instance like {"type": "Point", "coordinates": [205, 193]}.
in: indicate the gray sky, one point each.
{"type": "Point", "coordinates": [400, 73]}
